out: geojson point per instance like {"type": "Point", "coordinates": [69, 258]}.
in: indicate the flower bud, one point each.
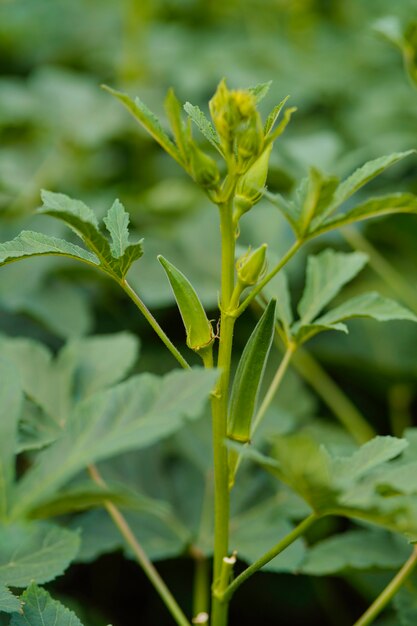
{"type": "Point", "coordinates": [251, 265]}
{"type": "Point", "coordinates": [203, 168]}
{"type": "Point", "coordinates": [249, 189]}
{"type": "Point", "coordinates": [229, 110]}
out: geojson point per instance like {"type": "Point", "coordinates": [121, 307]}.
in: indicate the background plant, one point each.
{"type": "Point", "coordinates": [370, 351]}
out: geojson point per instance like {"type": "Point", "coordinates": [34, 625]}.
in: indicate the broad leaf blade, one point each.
{"type": "Point", "coordinates": [8, 602]}
{"type": "Point", "coordinates": [10, 410]}
{"type": "Point", "coordinates": [374, 207]}
{"type": "Point", "coordinates": [149, 121]}
{"type": "Point", "coordinates": [371, 305]}
{"type": "Point", "coordinates": [327, 273]}
{"type": "Point", "coordinates": [363, 175]}
{"type": "Point", "coordinates": [117, 223]}
{"type": "Point", "coordinates": [129, 416]}
{"type": "Point", "coordinates": [30, 244]}
{"type": "Point", "coordinates": [203, 124]}
{"type": "Point", "coordinates": [356, 549]}
{"type": "Point", "coordinates": [40, 610]}
{"type": "Point", "coordinates": [35, 551]}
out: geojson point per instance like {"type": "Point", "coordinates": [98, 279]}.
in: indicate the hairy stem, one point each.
{"type": "Point", "coordinates": [152, 321]}
{"type": "Point", "coordinates": [147, 566]}
{"type": "Point", "coordinates": [297, 532]}
{"type": "Point", "coordinates": [389, 592]}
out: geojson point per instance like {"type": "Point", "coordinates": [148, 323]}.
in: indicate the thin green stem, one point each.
{"type": "Point", "coordinates": [297, 532]}
{"type": "Point", "coordinates": [345, 411]}
{"type": "Point", "coordinates": [220, 405]}
{"type": "Point", "coordinates": [256, 290]}
{"type": "Point", "coordinates": [273, 388]}
{"type": "Point", "coordinates": [152, 321]}
{"type": "Point", "coordinates": [201, 592]}
{"type": "Point", "coordinates": [147, 566]}
{"type": "Point", "coordinates": [382, 267]}
{"type": "Point", "coordinates": [389, 592]}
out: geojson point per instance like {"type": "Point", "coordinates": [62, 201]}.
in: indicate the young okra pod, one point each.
{"type": "Point", "coordinates": [198, 329]}
{"type": "Point", "coordinates": [249, 377]}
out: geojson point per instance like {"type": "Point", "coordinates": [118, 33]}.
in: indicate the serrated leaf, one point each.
{"type": "Point", "coordinates": [374, 207]}
{"type": "Point", "coordinates": [362, 176]}
{"type": "Point", "coordinates": [304, 333]}
{"type": "Point", "coordinates": [279, 129]}
{"type": "Point", "coordinates": [173, 110]}
{"type": "Point", "coordinates": [39, 609]}
{"type": "Point", "coordinates": [318, 194]}
{"type": "Point", "coordinates": [131, 415]}
{"type": "Point", "coordinates": [327, 273]}
{"type": "Point", "coordinates": [260, 90]}
{"type": "Point", "coordinates": [373, 453]}
{"type": "Point", "coordinates": [10, 410]}
{"type": "Point", "coordinates": [148, 120]}
{"type": "Point", "coordinates": [371, 305]}
{"type": "Point", "coordinates": [203, 124]}
{"type": "Point", "coordinates": [356, 549]}
{"type": "Point", "coordinates": [35, 551]}
{"type": "Point", "coordinates": [30, 244]}
{"type": "Point", "coordinates": [83, 221]}
{"type": "Point", "coordinates": [273, 116]}
{"type": "Point", "coordinates": [9, 603]}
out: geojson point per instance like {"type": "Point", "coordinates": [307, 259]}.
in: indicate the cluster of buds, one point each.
{"type": "Point", "coordinates": [238, 125]}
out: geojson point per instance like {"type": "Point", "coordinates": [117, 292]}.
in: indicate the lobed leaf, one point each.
{"type": "Point", "coordinates": [131, 415]}
{"type": "Point", "coordinates": [30, 244]}
{"type": "Point", "coordinates": [327, 273]}
{"type": "Point", "coordinates": [39, 609]}
{"type": "Point", "coordinates": [148, 120]}
{"type": "Point", "coordinates": [9, 603]}
{"type": "Point", "coordinates": [35, 552]}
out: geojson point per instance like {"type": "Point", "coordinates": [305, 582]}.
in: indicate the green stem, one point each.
{"type": "Point", "coordinates": [147, 566]}
{"type": "Point", "coordinates": [220, 406]}
{"type": "Point", "coordinates": [283, 261]}
{"type": "Point", "coordinates": [152, 321]}
{"type": "Point", "coordinates": [382, 267]}
{"type": "Point", "coordinates": [273, 388]}
{"type": "Point", "coordinates": [389, 592]}
{"type": "Point", "coordinates": [297, 532]}
{"type": "Point", "coordinates": [333, 396]}
{"type": "Point", "coordinates": [201, 595]}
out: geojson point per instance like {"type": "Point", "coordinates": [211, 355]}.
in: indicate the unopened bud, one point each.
{"type": "Point", "coordinates": [251, 265]}
{"type": "Point", "coordinates": [203, 168]}
{"type": "Point", "coordinates": [250, 187]}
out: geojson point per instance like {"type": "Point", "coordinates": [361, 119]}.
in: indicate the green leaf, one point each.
{"type": "Point", "coordinates": [327, 273]}
{"type": "Point", "coordinates": [173, 109]}
{"type": "Point", "coordinates": [149, 121]}
{"type": "Point", "coordinates": [35, 551]}
{"type": "Point", "coordinates": [318, 194]}
{"type": "Point", "coordinates": [198, 328]}
{"type": "Point", "coordinates": [358, 550]}
{"type": "Point", "coordinates": [362, 176]}
{"type": "Point", "coordinates": [8, 602]}
{"type": "Point", "coordinates": [10, 410]}
{"type": "Point", "coordinates": [289, 209]}
{"type": "Point", "coordinates": [279, 129]}
{"type": "Point", "coordinates": [40, 610]}
{"type": "Point", "coordinates": [115, 260]}
{"type": "Point", "coordinates": [374, 207]}
{"type": "Point", "coordinates": [302, 334]}
{"type": "Point", "coordinates": [405, 602]}
{"type": "Point", "coordinates": [273, 116]}
{"type": "Point", "coordinates": [203, 124]}
{"type": "Point", "coordinates": [131, 415]}
{"type": "Point", "coordinates": [248, 376]}
{"type": "Point", "coordinates": [260, 90]}
{"type": "Point", "coordinates": [30, 244]}
{"type": "Point", "coordinates": [371, 305]}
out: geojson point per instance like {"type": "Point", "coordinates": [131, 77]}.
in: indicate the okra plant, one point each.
{"type": "Point", "coordinates": [255, 497]}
